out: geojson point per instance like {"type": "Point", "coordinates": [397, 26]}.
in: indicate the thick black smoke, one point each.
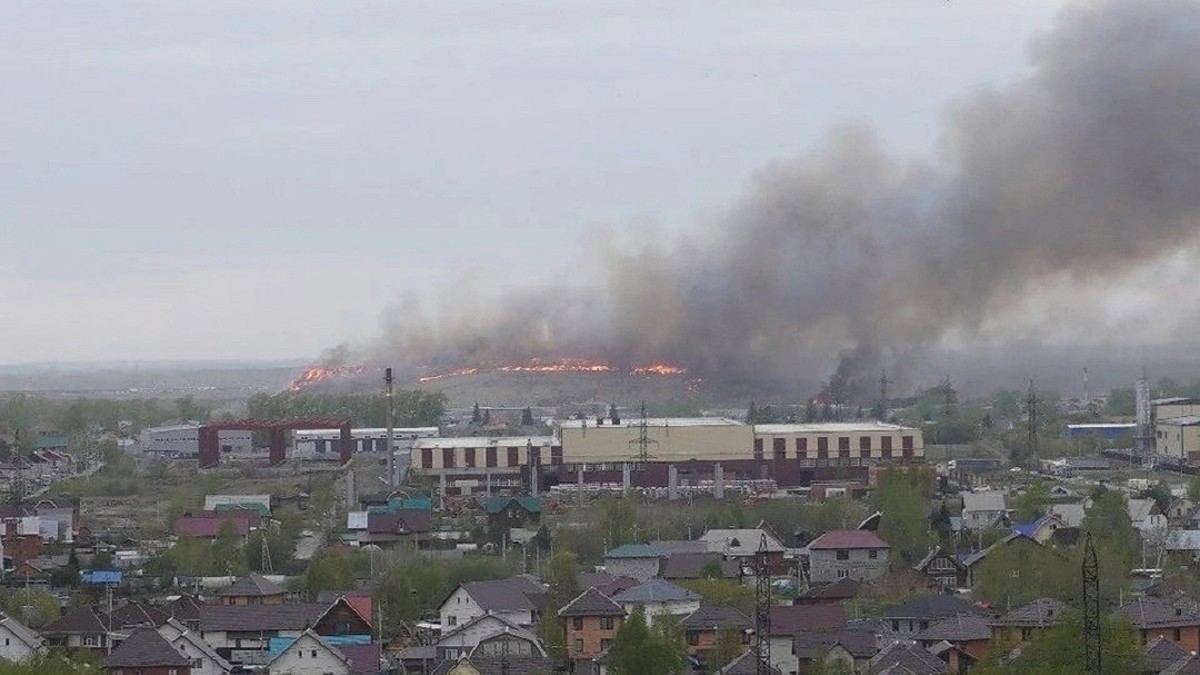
{"type": "Point", "coordinates": [1083, 172]}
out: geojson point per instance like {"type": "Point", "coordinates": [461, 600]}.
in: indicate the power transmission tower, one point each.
{"type": "Point", "coordinates": [267, 567]}
{"type": "Point", "coordinates": [643, 441]}
{"type": "Point", "coordinates": [1091, 609]}
{"type": "Point", "coordinates": [762, 608]}
{"type": "Point", "coordinates": [881, 407]}
{"type": "Point", "coordinates": [1031, 403]}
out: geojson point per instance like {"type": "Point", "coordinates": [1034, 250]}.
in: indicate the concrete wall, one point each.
{"type": "Point", "coordinates": [824, 567]}
{"type": "Point", "coordinates": [679, 440]}
{"type": "Point", "coordinates": [1176, 440]}
{"type": "Point", "coordinates": [186, 440]}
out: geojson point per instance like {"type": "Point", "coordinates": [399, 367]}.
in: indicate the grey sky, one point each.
{"type": "Point", "coordinates": [250, 180]}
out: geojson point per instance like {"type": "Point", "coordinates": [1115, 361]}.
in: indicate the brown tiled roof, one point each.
{"type": "Point", "coordinates": [145, 648]}
{"type": "Point", "coordinates": [260, 617]}
{"type": "Point", "coordinates": [210, 527]}
{"type": "Point", "coordinates": [591, 603]}
{"type": "Point", "coordinates": [716, 617]}
{"type": "Point", "coordinates": [960, 628]}
{"type": "Point", "coordinates": [861, 643]}
{"type": "Point", "coordinates": [787, 620]}
{"type": "Point", "coordinates": [135, 613]}
{"type": "Point", "coordinates": [76, 621]}
{"type": "Point", "coordinates": [847, 539]}
{"type": "Point", "coordinates": [692, 565]}
{"type": "Point", "coordinates": [252, 585]}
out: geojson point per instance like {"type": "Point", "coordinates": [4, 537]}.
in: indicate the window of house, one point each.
{"type": "Point", "coordinates": [843, 554]}
{"type": "Point", "coordinates": [895, 626]}
{"type": "Point", "coordinates": [924, 625]}
{"type": "Point", "coordinates": [873, 554]}
{"type": "Point", "coordinates": [886, 443]}
{"type": "Point", "coordinates": [314, 653]}
{"type": "Point", "coordinates": [490, 457]}
{"type": "Point", "coordinates": [577, 623]}
{"type": "Point", "coordinates": [1178, 635]}
{"type": "Point", "coordinates": [91, 640]}
{"type": "Point", "coordinates": [452, 620]}
{"type": "Point", "coordinates": [556, 455]}
{"type": "Point", "coordinates": [906, 442]}
{"type": "Point", "coordinates": [577, 646]}
{"type": "Point", "coordinates": [693, 638]}
{"type": "Point", "coordinates": [605, 643]}
{"type": "Point", "coordinates": [607, 622]}
{"type": "Point", "coordinates": [779, 445]}
{"type": "Point", "coordinates": [843, 442]}
{"type": "Point", "coordinates": [864, 442]}
{"type": "Point", "coordinates": [842, 574]}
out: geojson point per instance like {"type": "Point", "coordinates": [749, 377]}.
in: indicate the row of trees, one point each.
{"type": "Point", "coordinates": [413, 408]}
{"type": "Point", "coordinates": [28, 412]}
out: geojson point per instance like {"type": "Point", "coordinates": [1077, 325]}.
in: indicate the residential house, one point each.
{"type": "Point", "coordinates": [743, 545]}
{"type": "Point", "coordinates": [606, 583]}
{"type": "Point", "coordinates": [835, 593]}
{"type": "Point", "coordinates": [677, 566]}
{"type": "Point", "coordinates": [1180, 510]}
{"type": "Point", "coordinates": [847, 554]}
{"type": "Point", "coordinates": [906, 658]}
{"type": "Point", "coordinates": [79, 628]}
{"type": "Point", "coordinates": [208, 525]}
{"type": "Point", "coordinates": [478, 664]}
{"type": "Point", "coordinates": [507, 598]}
{"type": "Point", "coordinates": [658, 596]}
{"type": "Point", "coordinates": [18, 642]}
{"type": "Point", "coordinates": [1152, 618]}
{"type": "Point", "coordinates": [145, 652]}
{"type": "Point", "coordinates": [1145, 515]}
{"type": "Point", "coordinates": [1071, 515]}
{"type": "Point", "coordinates": [852, 646]}
{"type": "Point", "coordinates": [787, 621]}
{"type": "Point", "coordinates": [1040, 530]}
{"type": "Point", "coordinates": [1160, 654]}
{"type": "Point", "coordinates": [971, 633]}
{"type": "Point", "coordinates": [1031, 558]}
{"type": "Point", "coordinates": [983, 509]}
{"type": "Point", "coordinates": [464, 639]}
{"type": "Point", "coordinates": [241, 634]}
{"type": "Point", "coordinates": [943, 568]}
{"type": "Point", "coordinates": [521, 643]}
{"type": "Point", "coordinates": [637, 561]}
{"type": "Point", "coordinates": [252, 589]}
{"type": "Point", "coordinates": [918, 615]}
{"type": "Point", "coordinates": [135, 614]}
{"type": "Point", "coordinates": [1024, 622]}
{"type": "Point", "coordinates": [203, 659]}
{"type": "Point", "coordinates": [510, 512]}
{"type": "Point", "coordinates": [590, 623]}
{"type": "Point", "coordinates": [308, 654]}
{"type": "Point", "coordinates": [185, 609]}
{"type": "Point", "coordinates": [398, 527]}
{"type": "Point", "coordinates": [701, 628]}
{"type": "Point", "coordinates": [1184, 543]}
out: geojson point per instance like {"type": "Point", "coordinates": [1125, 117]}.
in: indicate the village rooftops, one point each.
{"type": "Point", "coordinates": [501, 595]}
{"type": "Point", "coordinates": [1040, 612]}
{"type": "Point", "coordinates": [741, 542]}
{"type": "Point", "coordinates": [591, 603]}
{"type": "Point", "coordinates": [1146, 613]}
{"type": "Point", "coordinates": [716, 617]}
{"type": "Point", "coordinates": [958, 628]}
{"type": "Point", "coordinates": [145, 648]}
{"type": "Point", "coordinates": [787, 620]}
{"type": "Point", "coordinates": [531, 504]}
{"type": "Point", "coordinates": [935, 607]}
{"type": "Point", "coordinates": [260, 617]}
{"type": "Point", "coordinates": [633, 551]}
{"type": "Point", "coordinates": [655, 590]}
{"type": "Point", "coordinates": [900, 658]}
{"type": "Point", "coordinates": [847, 539]}
{"type": "Point", "coordinates": [859, 642]}
{"type": "Point", "coordinates": [252, 585]}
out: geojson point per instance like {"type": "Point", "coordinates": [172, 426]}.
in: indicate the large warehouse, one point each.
{"type": "Point", "coordinates": [1177, 428]}
{"type": "Point", "coordinates": [184, 440]}
{"type": "Point", "coordinates": [646, 452]}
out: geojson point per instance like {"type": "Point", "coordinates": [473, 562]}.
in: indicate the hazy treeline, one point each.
{"type": "Point", "coordinates": [27, 412]}
{"type": "Point", "coordinates": [413, 408]}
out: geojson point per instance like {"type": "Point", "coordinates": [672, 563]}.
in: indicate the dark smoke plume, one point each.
{"type": "Point", "coordinates": [1083, 172]}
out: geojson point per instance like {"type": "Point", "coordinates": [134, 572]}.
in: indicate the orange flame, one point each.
{"type": "Point", "coordinates": [566, 365]}
{"type": "Point", "coordinates": [315, 374]}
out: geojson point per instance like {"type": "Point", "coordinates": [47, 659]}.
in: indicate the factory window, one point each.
{"type": "Point", "coordinates": [491, 457]}
{"type": "Point", "coordinates": [512, 457]}
{"type": "Point", "coordinates": [780, 454]}
{"type": "Point", "coordinates": [535, 456]}
{"type": "Point", "coordinates": [427, 458]}
{"type": "Point", "coordinates": [843, 442]}
{"type": "Point", "coordinates": [758, 448]}
{"type": "Point", "coordinates": [886, 442]}
{"type": "Point", "coordinates": [822, 447]}
{"type": "Point", "coordinates": [779, 445]}
{"type": "Point", "coordinates": [801, 447]}
{"type": "Point", "coordinates": [556, 456]}
{"type": "Point", "coordinates": [864, 442]}
{"type": "Point", "coordinates": [906, 442]}
{"type": "Point", "coordinates": [447, 458]}
{"type": "Point", "coordinates": [469, 457]}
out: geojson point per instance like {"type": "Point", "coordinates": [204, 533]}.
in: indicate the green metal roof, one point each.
{"type": "Point", "coordinates": [528, 502]}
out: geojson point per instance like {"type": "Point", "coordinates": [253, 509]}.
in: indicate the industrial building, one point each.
{"type": "Point", "coordinates": [1176, 424]}
{"type": "Point", "coordinates": [666, 452]}
{"type": "Point", "coordinates": [184, 440]}
{"type": "Point", "coordinates": [317, 442]}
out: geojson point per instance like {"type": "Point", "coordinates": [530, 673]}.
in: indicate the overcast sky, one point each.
{"type": "Point", "coordinates": [260, 179]}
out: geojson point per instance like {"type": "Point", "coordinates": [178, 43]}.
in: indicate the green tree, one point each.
{"type": "Point", "coordinates": [1161, 494]}
{"type": "Point", "coordinates": [1031, 504]}
{"type": "Point", "coordinates": [618, 522]}
{"type": "Point", "coordinates": [329, 572]}
{"type": "Point", "coordinates": [1023, 570]}
{"type": "Point", "coordinates": [902, 497]}
{"type": "Point", "coordinates": [1194, 490]}
{"type": "Point", "coordinates": [103, 560]}
{"type": "Point", "coordinates": [726, 649]}
{"type": "Point", "coordinates": [1059, 650]}
{"type": "Point", "coordinates": [227, 549]}
{"type": "Point", "coordinates": [723, 592]}
{"type": "Point", "coordinates": [32, 606]}
{"type": "Point", "coordinates": [752, 413]}
{"type": "Point", "coordinates": [637, 650]}
{"type": "Point", "coordinates": [562, 576]}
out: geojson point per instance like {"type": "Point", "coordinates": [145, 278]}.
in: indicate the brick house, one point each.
{"type": "Point", "coordinates": [787, 621]}
{"type": "Point", "coordinates": [702, 627]}
{"type": "Point", "coordinates": [590, 622]}
{"type": "Point", "coordinates": [847, 554]}
{"type": "Point", "coordinates": [1154, 618]}
{"type": "Point", "coordinates": [1024, 622]}
{"type": "Point", "coordinates": [145, 652]}
{"type": "Point", "coordinates": [969, 632]}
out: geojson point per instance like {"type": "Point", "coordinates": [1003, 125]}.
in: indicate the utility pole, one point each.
{"type": "Point", "coordinates": [1091, 609]}
{"type": "Point", "coordinates": [391, 429]}
{"type": "Point", "coordinates": [1031, 402]}
{"type": "Point", "coordinates": [643, 440]}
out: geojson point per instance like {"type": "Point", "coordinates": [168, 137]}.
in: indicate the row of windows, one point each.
{"type": "Point", "coordinates": [779, 445]}
{"type": "Point", "coordinates": [606, 623]}
{"type": "Point", "coordinates": [490, 457]}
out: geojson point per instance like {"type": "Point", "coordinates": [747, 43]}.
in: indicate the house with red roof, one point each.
{"type": "Point", "coordinates": [847, 554]}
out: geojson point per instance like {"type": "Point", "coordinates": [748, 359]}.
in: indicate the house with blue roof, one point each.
{"type": "Point", "coordinates": [638, 561]}
{"type": "Point", "coordinates": [1040, 530]}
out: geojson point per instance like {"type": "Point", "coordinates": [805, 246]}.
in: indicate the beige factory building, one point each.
{"type": "Point", "coordinates": [832, 443]}
{"type": "Point", "coordinates": [600, 441]}
{"type": "Point", "coordinates": [1170, 408]}
{"type": "Point", "coordinates": [1178, 437]}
